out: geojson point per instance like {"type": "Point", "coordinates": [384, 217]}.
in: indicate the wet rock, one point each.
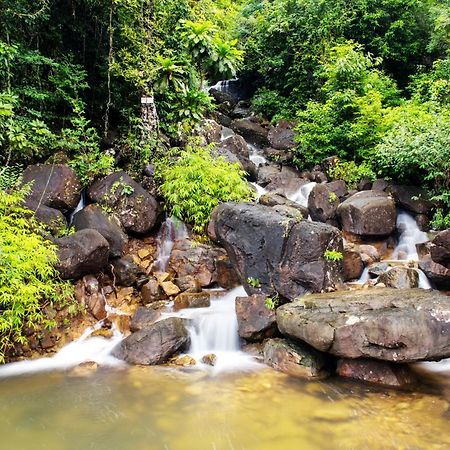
{"type": "Point", "coordinates": [423, 222]}
{"type": "Point", "coordinates": [135, 208]}
{"type": "Point", "coordinates": [227, 278]}
{"type": "Point", "coordinates": [184, 361]}
{"type": "Point", "coordinates": [251, 131]}
{"type": "Point", "coordinates": [192, 300]}
{"type": "Point", "coordinates": [210, 359]}
{"type": "Point", "coordinates": [440, 250]}
{"type": "Point", "coordinates": [188, 283]}
{"type": "Point", "coordinates": [380, 185]}
{"type": "Point", "coordinates": [282, 136]}
{"type": "Point", "coordinates": [143, 318]}
{"type": "Point", "coordinates": [365, 184]}
{"type": "Point", "coordinates": [286, 183]}
{"type": "Point", "coordinates": [412, 198]}
{"type": "Point", "coordinates": [154, 344]}
{"type": "Point", "coordinates": [284, 254]}
{"type": "Point", "coordinates": [339, 187]}
{"type": "Point", "coordinates": [210, 131]}
{"type": "Point", "coordinates": [88, 294]}
{"type": "Point", "coordinates": [255, 320]}
{"type": "Point", "coordinates": [241, 110]}
{"type": "Point", "coordinates": [226, 101]}
{"type": "Point", "coordinates": [369, 254]}
{"type": "Point", "coordinates": [377, 269]}
{"type": "Point", "coordinates": [400, 278]}
{"type": "Point", "coordinates": [376, 372]}
{"type": "Point", "coordinates": [151, 292]}
{"type": "Point", "coordinates": [295, 359]}
{"type": "Point", "coordinates": [322, 203]}
{"type": "Point", "coordinates": [189, 258]}
{"type": "Point", "coordinates": [53, 185]}
{"type": "Point", "coordinates": [53, 220]}
{"type": "Point", "coordinates": [274, 199]}
{"type": "Point", "coordinates": [279, 156]}
{"type": "Point", "coordinates": [353, 265]}
{"type": "Point", "coordinates": [319, 177]}
{"type": "Point", "coordinates": [401, 325]}
{"type": "Point", "coordinates": [368, 213]}
{"type": "Point", "coordinates": [235, 144]}
{"type": "Point", "coordinates": [126, 272]}
{"type": "Point", "coordinates": [170, 288]}
{"type": "Point", "coordinates": [82, 253]}
{"type": "Point", "coordinates": [94, 218]}
{"type": "Point", "coordinates": [438, 275]}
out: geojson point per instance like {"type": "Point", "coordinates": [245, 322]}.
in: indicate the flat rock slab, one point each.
{"type": "Point", "coordinates": [401, 325]}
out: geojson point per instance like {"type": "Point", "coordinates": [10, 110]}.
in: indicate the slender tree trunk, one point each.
{"type": "Point", "coordinates": [149, 117]}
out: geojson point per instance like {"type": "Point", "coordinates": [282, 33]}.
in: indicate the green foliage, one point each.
{"type": "Point", "coordinates": [28, 281]}
{"type": "Point", "coordinates": [350, 117]}
{"type": "Point", "coordinates": [196, 183]}
{"type": "Point", "coordinates": [91, 165]}
{"type": "Point", "coordinates": [272, 303]}
{"type": "Point", "coordinates": [418, 147]}
{"type": "Point", "coordinates": [351, 172]}
{"type": "Point", "coordinates": [253, 282]}
{"type": "Point", "coordinates": [333, 255]}
{"type": "Point", "coordinates": [441, 220]}
{"type": "Point", "coordinates": [270, 104]}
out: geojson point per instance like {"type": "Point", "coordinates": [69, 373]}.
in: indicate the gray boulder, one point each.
{"type": "Point", "coordinates": [282, 253]}
{"type": "Point", "coordinates": [440, 250]}
{"type": "Point", "coordinates": [155, 343]}
{"type": "Point", "coordinates": [322, 203]}
{"type": "Point", "coordinates": [135, 208]}
{"type": "Point", "coordinates": [368, 213]}
{"type": "Point", "coordinates": [412, 198]}
{"type": "Point", "coordinates": [295, 359]}
{"type": "Point", "coordinates": [82, 253]}
{"type": "Point", "coordinates": [388, 324]}
{"type": "Point", "coordinates": [251, 130]}
{"type": "Point", "coordinates": [400, 278]}
{"type": "Point", "coordinates": [282, 137]}
{"type": "Point", "coordinates": [93, 217]}
{"type": "Point", "coordinates": [53, 185]}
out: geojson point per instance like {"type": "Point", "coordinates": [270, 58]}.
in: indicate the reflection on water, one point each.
{"type": "Point", "coordinates": [154, 408]}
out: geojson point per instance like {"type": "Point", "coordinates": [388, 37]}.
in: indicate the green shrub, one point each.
{"type": "Point", "coordinates": [28, 280]}
{"type": "Point", "coordinates": [196, 183]}
{"type": "Point", "coordinates": [351, 172]}
{"type": "Point", "coordinates": [333, 255]}
{"type": "Point", "coordinates": [441, 220]}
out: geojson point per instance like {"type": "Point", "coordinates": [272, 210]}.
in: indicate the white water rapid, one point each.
{"type": "Point", "coordinates": [301, 195]}
{"type": "Point", "coordinates": [256, 155]}
{"type": "Point", "coordinates": [410, 236]}
{"type": "Point", "coordinates": [79, 207]}
{"type": "Point", "coordinates": [84, 349]}
{"type": "Point", "coordinates": [171, 230]}
{"type": "Point", "coordinates": [215, 330]}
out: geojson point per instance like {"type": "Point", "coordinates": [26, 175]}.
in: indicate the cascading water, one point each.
{"type": "Point", "coordinates": [259, 190]}
{"type": "Point", "coordinates": [171, 230]}
{"type": "Point", "coordinates": [79, 207]}
{"type": "Point", "coordinates": [215, 330]}
{"type": "Point", "coordinates": [302, 194]}
{"type": "Point", "coordinates": [226, 133]}
{"type": "Point", "coordinates": [410, 236]}
{"type": "Point", "coordinates": [256, 155]}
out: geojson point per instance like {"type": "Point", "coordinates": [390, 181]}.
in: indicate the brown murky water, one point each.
{"type": "Point", "coordinates": [148, 408]}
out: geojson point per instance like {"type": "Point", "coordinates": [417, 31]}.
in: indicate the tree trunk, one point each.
{"type": "Point", "coordinates": [150, 121]}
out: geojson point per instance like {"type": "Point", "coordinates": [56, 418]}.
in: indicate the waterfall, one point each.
{"type": "Point", "coordinates": [256, 155]}
{"type": "Point", "coordinates": [259, 190]}
{"type": "Point", "coordinates": [79, 207]}
{"type": "Point", "coordinates": [410, 235]}
{"type": "Point", "coordinates": [302, 194]}
{"type": "Point", "coordinates": [365, 277]}
{"type": "Point", "coordinates": [226, 133]}
{"type": "Point", "coordinates": [215, 330]}
{"type": "Point", "coordinates": [171, 231]}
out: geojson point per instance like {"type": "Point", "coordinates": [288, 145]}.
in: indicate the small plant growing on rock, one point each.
{"type": "Point", "coordinates": [333, 255]}
{"type": "Point", "coordinates": [272, 303]}
{"type": "Point", "coordinates": [332, 197]}
{"type": "Point", "coordinates": [254, 282]}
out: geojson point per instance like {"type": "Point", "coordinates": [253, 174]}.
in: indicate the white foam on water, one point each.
{"type": "Point", "coordinates": [301, 195]}
{"type": "Point", "coordinates": [410, 236]}
{"type": "Point", "coordinates": [256, 155]}
{"type": "Point", "coordinates": [259, 190]}
{"type": "Point", "coordinates": [215, 330]}
{"type": "Point", "coordinates": [84, 349]}
{"type": "Point", "coordinates": [226, 133]}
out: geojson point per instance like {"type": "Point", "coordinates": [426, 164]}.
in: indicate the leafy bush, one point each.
{"type": "Point", "coordinates": [441, 220]}
{"type": "Point", "coordinates": [418, 148]}
{"type": "Point", "coordinates": [351, 172]}
{"type": "Point", "coordinates": [270, 104]}
{"type": "Point", "coordinates": [28, 281]}
{"type": "Point", "coordinates": [349, 119]}
{"type": "Point", "coordinates": [196, 183]}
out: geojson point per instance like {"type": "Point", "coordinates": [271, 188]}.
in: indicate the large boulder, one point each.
{"type": "Point", "coordinates": [144, 318]}
{"type": "Point", "coordinates": [412, 198]}
{"type": "Point", "coordinates": [274, 199]}
{"type": "Point", "coordinates": [400, 278]}
{"type": "Point", "coordinates": [135, 208]}
{"type": "Point", "coordinates": [282, 137]}
{"type": "Point", "coordinates": [251, 130]}
{"type": "Point", "coordinates": [235, 150]}
{"type": "Point", "coordinates": [255, 320]}
{"type": "Point", "coordinates": [295, 359]}
{"type": "Point", "coordinates": [155, 343]}
{"type": "Point", "coordinates": [53, 185]}
{"type": "Point", "coordinates": [322, 203]}
{"type": "Point", "coordinates": [284, 254]}
{"type": "Point", "coordinates": [126, 272]}
{"type": "Point", "coordinates": [440, 250]}
{"type": "Point", "coordinates": [368, 213]}
{"type": "Point", "coordinates": [53, 220]}
{"type": "Point", "coordinates": [437, 274]}
{"type": "Point", "coordinates": [82, 253]}
{"type": "Point", "coordinates": [387, 324]}
{"type": "Point", "coordinates": [93, 217]}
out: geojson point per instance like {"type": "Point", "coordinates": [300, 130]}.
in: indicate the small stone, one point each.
{"type": "Point", "coordinates": [192, 300]}
{"type": "Point", "coordinates": [102, 332]}
{"type": "Point", "coordinates": [184, 361]}
{"type": "Point", "coordinates": [125, 293]}
{"type": "Point", "coordinates": [143, 253]}
{"type": "Point", "coordinates": [170, 288]}
{"type": "Point", "coordinates": [210, 359]}
{"type": "Point", "coordinates": [162, 276]}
